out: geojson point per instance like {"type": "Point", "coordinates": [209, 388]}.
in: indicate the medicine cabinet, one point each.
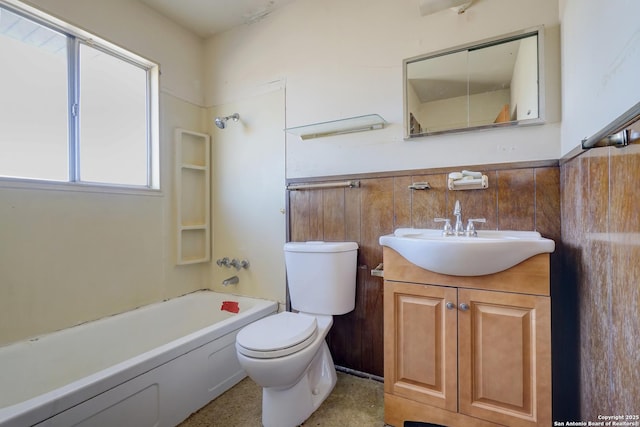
{"type": "Point", "coordinates": [493, 83]}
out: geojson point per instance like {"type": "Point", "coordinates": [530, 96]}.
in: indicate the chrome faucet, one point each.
{"type": "Point", "coordinates": [458, 229]}
{"type": "Point", "coordinates": [233, 280]}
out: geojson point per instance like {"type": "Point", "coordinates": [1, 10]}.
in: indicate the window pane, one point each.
{"type": "Point", "coordinates": [33, 100]}
{"type": "Point", "coordinates": [113, 119]}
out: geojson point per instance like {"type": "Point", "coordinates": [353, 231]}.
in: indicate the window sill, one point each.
{"type": "Point", "coordinates": [35, 184]}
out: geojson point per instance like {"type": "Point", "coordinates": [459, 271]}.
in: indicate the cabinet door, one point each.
{"type": "Point", "coordinates": [505, 357]}
{"type": "Point", "coordinates": [420, 343]}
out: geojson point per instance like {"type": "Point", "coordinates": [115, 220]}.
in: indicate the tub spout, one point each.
{"type": "Point", "coordinates": [233, 280]}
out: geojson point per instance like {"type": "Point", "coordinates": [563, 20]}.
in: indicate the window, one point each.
{"type": "Point", "coordinates": [74, 108]}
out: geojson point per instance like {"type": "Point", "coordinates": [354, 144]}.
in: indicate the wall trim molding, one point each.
{"type": "Point", "coordinates": [430, 171]}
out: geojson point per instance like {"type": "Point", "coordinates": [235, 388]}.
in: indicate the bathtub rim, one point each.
{"type": "Point", "coordinates": [48, 404]}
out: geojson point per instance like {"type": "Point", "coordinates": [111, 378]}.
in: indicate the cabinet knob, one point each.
{"type": "Point", "coordinates": [464, 307]}
{"type": "Point", "coordinates": [450, 305]}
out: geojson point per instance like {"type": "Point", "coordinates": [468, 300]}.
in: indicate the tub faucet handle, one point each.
{"type": "Point", "coordinates": [223, 262]}
{"type": "Point", "coordinates": [239, 264]}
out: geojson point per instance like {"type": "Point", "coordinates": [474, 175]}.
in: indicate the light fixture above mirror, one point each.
{"type": "Point", "coordinates": [428, 7]}
{"type": "Point", "coordinates": [493, 83]}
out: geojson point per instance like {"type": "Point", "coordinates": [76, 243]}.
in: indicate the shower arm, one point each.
{"type": "Point", "coordinates": [221, 122]}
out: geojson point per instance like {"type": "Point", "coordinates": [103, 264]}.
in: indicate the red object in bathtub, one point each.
{"type": "Point", "coordinates": [230, 306]}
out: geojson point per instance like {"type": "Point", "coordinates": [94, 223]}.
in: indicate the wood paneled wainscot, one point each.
{"type": "Point", "coordinates": [467, 351]}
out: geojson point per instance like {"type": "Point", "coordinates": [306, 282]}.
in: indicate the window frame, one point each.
{"type": "Point", "coordinates": [76, 37]}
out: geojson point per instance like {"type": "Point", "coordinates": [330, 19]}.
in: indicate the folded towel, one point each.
{"type": "Point", "coordinates": [455, 175]}
{"type": "Point", "coordinates": [468, 180]}
{"type": "Point", "coordinates": [472, 174]}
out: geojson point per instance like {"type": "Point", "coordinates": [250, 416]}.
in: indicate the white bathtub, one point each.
{"type": "Point", "coordinates": [152, 366]}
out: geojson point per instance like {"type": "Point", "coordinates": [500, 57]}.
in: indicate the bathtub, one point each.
{"type": "Point", "coordinates": [152, 366]}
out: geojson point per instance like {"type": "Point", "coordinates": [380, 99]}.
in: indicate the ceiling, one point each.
{"type": "Point", "coordinates": [209, 17]}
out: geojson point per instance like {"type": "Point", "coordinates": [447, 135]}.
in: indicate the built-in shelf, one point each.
{"type": "Point", "coordinates": [338, 127]}
{"type": "Point", "coordinates": [193, 196]}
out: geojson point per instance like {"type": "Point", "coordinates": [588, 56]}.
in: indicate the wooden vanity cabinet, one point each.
{"type": "Point", "coordinates": [467, 351]}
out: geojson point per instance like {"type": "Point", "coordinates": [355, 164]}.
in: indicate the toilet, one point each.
{"type": "Point", "coordinates": [286, 353]}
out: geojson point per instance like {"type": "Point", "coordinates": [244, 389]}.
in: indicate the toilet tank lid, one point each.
{"type": "Point", "coordinates": [318, 246]}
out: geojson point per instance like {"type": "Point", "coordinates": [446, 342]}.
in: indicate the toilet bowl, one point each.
{"type": "Point", "coordinates": [296, 374]}
{"type": "Point", "coordinates": [286, 353]}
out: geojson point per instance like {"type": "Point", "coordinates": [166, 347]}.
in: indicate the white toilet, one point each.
{"type": "Point", "coordinates": [286, 353]}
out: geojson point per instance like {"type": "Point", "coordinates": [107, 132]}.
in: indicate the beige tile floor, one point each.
{"type": "Point", "coordinates": [354, 402]}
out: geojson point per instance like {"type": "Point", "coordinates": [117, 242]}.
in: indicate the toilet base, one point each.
{"type": "Point", "coordinates": [290, 407]}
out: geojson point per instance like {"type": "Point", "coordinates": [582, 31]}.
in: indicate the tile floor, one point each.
{"type": "Point", "coordinates": [354, 402]}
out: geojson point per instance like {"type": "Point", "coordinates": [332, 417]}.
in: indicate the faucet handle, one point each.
{"type": "Point", "coordinates": [223, 262]}
{"type": "Point", "coordinates": [471, 229]}
{"type": "Point", "coordinates": [239, 264]}
{"type": "Point", "coordinates": [447, 230]}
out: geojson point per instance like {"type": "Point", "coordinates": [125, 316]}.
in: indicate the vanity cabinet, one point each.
{"type": "Point", "coordinates": [467, 351]}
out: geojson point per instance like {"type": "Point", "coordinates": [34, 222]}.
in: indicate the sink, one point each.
{"type": "Point", "coordinates": [492, 251]}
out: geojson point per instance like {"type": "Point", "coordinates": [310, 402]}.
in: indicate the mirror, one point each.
{"type": "Point", "coordinates": [493, 83]}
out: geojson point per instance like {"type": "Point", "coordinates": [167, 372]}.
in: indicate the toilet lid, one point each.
{"type": "Point", "coordinates": [278, 335]}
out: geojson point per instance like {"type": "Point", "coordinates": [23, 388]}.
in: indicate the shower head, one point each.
{"type": "Point", "coordinates": [221, 122]}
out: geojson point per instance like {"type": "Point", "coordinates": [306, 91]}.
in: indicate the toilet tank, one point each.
{"type": "Point", "coordinates": [322, 276]}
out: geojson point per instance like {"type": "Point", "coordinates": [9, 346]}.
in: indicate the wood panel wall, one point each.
{"type": "Point", "coordinates": [523, 196]}
{"type": "Point", "coordinates": [602, 247]}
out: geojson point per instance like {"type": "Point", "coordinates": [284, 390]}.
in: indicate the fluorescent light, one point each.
{"type": "Point", "coordinates": [427, 7]}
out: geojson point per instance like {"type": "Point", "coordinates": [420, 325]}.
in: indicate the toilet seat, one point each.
{"type": "Point", "coordinates": [277, 336]}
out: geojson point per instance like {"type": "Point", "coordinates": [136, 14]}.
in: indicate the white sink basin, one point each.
{"type": "Point", "coordinates": [492, 251]}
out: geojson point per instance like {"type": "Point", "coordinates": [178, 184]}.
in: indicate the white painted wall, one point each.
{"type": "Point", "coordinates": [67, 257]}
{"type": "Point", "coordinates": [601, 65]}
{"type": "Point", "coordinates": [249, 197]}
{"type": "Point", "coordinates": [344, 58]}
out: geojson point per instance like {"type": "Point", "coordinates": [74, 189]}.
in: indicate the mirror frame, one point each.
{"type": "Point", "coordinates": [473, 46]}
